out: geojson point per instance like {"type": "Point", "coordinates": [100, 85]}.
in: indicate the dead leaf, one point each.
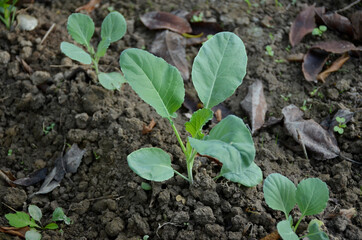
{"type": "Point", "coordinates": [335, 46]}
{"type": "Point", "coordinates": [20, 232]}
{"type": "Point", "coordinates": [337, 22]}
{"type": "Point", "coordinates": [33, 178]}
{"type": "Point", "coordinates": [8, 177]}
{"type": "Point", "coordinates": [302, 25]}
{"type": "Point", "coordinates": [148, 128]}
{"type": "Point", "coordinates": [172, 47]}
{"type": "Point", "coordinates": [181, 199]}
{"type": "Point", "coordinates": [348, 213]}
{"type": "Point", "coordinates": [255, 104]}
{"type": "Point", "coordinates": [89, 7]}
{"type": "Point", "coordinates": [311, 134]}
{"type": "Point", "coordinates": [163, 20]}
{"type": "Point", "coordinates": [272, 236]}
{"type": "Point", "coordinates": [204, 28]}
{"type": "Point", "coordinates": [25, 66]}
{"type": "Point", "coordinates": [218, 115]}
{"type": "Point", "coordinates": [272, 121]}
{"type": "Point", "coordinates": [356, 20]}
{"type": "Point", "coordinates": [334, 67]}
{"type": "Point", "coordinates": [298, 57]}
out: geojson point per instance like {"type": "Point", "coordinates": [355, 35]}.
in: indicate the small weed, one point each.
{"type": "Point", "coordinates": [341, 125]}
{"type": "Point", "coordinates": [305, 107]}
{"type": "Point", "coordinates": [271, 36]}
{"type": "Point", "coordinates": [8, 12]}
{"type": "Point", "coordinates": [319, 31]}
{"type": "Point", "coordinates": [279, 60]}
{"type": "Point", "coordinates": [269, 51]}
{"type": "Point", "coordinates": [96, 156]}
{"type": "Point", "coordinates": [10, 152]}
{"type": "Point", "coordinates": [278, 4]}
{"type": "Point", "coordinates": [249, 4]}
{"type": "Point", "coordinates": [288, 48]}
{"type": "Point", "coordinates": [286, 98]}
{"type": "Point", "coordinates": [146, 186]}
{"type": "Point", "coordinates": [197, 18]}
{"type": "Point", "coordinates": [47, 129]}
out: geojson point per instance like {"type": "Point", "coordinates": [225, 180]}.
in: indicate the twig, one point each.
{"type": "Point", "coordinates": [303, 146]}
{"type": "Point", "coordinates": [60, 66]}
{"type": "Point", "coordinates": [47, 33]}
{"type": "Point", "coordinates": [348, 7]}
{"type": "Point", "coordinates": [106, 197]}
{"type": "Point", "coordinates": [9, 207]}
{"type": "Point", "coordinates": [164, 224]}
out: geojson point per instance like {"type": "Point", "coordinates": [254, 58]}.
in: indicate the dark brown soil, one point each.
{"type": "Point", "coordinates": [104, 198]}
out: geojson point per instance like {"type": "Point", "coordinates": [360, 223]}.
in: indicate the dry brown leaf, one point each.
{"type": "Point", "coordinates": [356, 20]}
{"type": "Point", "coordinates": [148, 128]}
{"type": "Point", "coordinates": [7, 177]}
{"type": "Point", "coordinates": [172, 47]}
{"type": "Point", "coordinates": [348, 213]}
{"type": "Point", "coordinates": [20, 232]}
{"type": "Point", "coordinates": [218, 115]}
{"type": "Point", "coordinates": [272, 236]}
{"type": "Point", "coordinates": [163, 20]}
{"type": "Point", "coordinates": [335, 46]}
{"type": "Point", "coordinates": [255, 104]}
{"type": "Point", "coordinates": [334, 67]}
{"type": "Point", "coordinates": [89, 7]}
{"type": "Point", "coordinates": [302, 25]}
{"type": "Point", "coordinates": [337, 22]}
{"type": "Point", "coordinates": [298, 57]}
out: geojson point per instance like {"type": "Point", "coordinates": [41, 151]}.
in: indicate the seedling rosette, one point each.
{"type": "Point", "coordinates": [218, 70]}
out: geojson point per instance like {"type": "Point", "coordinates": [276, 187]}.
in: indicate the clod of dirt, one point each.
{"type": "Point", "coordinates": [163, 20]}
{"type": "Point", "coordinates": [40, 77]}
{"type": "Point", "coordinates": [203, 215]}
{"type": "Point", "coordinates": [4, 57]}
{"type": "Point", "coordinates": [15, 197]}
{"type": "Point", "coordinates": [302, 25]}
{"type": "Point", "coordinates": [309, 133]}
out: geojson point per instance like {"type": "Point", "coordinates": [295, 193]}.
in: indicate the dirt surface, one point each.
{"type": "Point", "coordinates": [104, 198]}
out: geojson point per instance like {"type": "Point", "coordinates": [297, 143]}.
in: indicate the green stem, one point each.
{"type": "Point", "coordinates": [178, 136]}
{"type": "Point", "coordinates": [189, 164]}
{"type": "Point", "coordinates": [296, 225]}
{"type": "Point", "coordinates": [181, 175]}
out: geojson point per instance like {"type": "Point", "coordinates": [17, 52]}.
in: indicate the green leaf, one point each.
{"type": "Point", "coordinates": [51, 226]}
{"type": "Point", "coordinates": [146, 186]}
{"type": "Point", "coordinates": [158, 83]}
{"type": "Point", "coordinates": [279, 193]}
{"type": "Point", "coordinates": [314, 231]}
{"type": "Point", "coordinates": [32, 234]}
{"type": "Point", "coordinates": [151, 163]}
{"type": "Point", "coordinates": [35, 212]}
{"type": "Point", "coordinates": [111, 81]}
{"type": "Point", "coordinates": [76, 53]}
{"type": "Point", "coordinates": [113, 27]}
{"type": "Point", "coordinates": [197, 121]}
{"type": "Point", "coordinates": [312, 195]}
{"type": "Point", "coordinates": [58, 215]}
{"type": "Point", "coordinates": [81, 28]}
{"type": "Point", "coordinates": [219, 68]}
{"type": "Point", "coordinates": [286, 231]}
{"type": "Point", "coordinates": [102, 47]}
{"type": "Point", "coordinates": [20, 219]}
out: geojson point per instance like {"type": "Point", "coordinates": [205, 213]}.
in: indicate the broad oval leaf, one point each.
{"type": "Point", "coordinates": [151, 163]}
{"type": "Point", "coordinates": [76, 53]}
{"type": "Point", "coordinates": [279, 193]}
{"type": "Point", "coordinates": [51, 226]}
{"type": "Point", "coordinates": [219, 68]}
{"type": "Point", "coordinates": [158, 83]}
{"type": "Point", "coordinates": [197, 121]}
{"type": "Point", "coordinates": [81, 28]}
{"type": "Point", "coordinates": [286, 231]}
{"type": "Point", "coordinates": [35, 212]}
{"type": "Point", "coordinates": [113, 27]}
{"type": "Point", "coordinates": [32, 234]}
{"type": "Point", "coordinates": [314, 231]}
{"type": "Point", "coordinates": [102, 47]}
{"type": "Point", "coordinates": [111, 81]}
{"type": "Point", "coordinates": [312, 196]}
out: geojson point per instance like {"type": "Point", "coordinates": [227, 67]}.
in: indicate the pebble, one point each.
{"type": "Point", "coordinates": [81, 120]}
{"type": "Point", "coordinates": [4, 57]}
{"type": "Point", "coordinates": [115, 227]}
{"type": "Point", "coordinates": [333, 93]}
{"type": "Point", "coordinates": [26, 22]}
{"type": "Point", "coordinates": [40, 77]}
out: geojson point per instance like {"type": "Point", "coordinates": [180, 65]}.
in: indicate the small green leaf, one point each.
{"type": "Point", "coordinates": [322, 28]}
{"type": "Point", "coordinates": [219, 68]}
{"type": "Point", "coordinates": [151, 163]}
{"type": "Point", "coordinates": [76, 53]}
{"type": "Point", "coordinates": [314, 231]}
{"type": "Point", "coordinates": [111, 81]}
{"type": "Point", "coordinates": [51, 226]}
{"type": "Point", "coordinates": [312, 196]}
{"type": "Point", "coordinates": [35, 212]}
{"type": "Point", "coordinates": [32, 234]}
{"type": "Point", "coordinates": [102, 47]}
{"type": "Point", "coordinates": [279, 193]}
{"type": "Point", "coordinates": [146, 186]}
{"type": "Point", "coordinates": [58, 215]}
{"type": "Point", "coordinates": [113, 27]}
{"type": "Point", "coordinates": [286, 231]}
{"type": "Point", "coordinates": [197, 121]}
{"type": "Point", "coordinates": [81, 28]}
{"type": "Point", "coordinates": [20, 219]}
{"type": "Point", "coordinates": [158, 83]}
{"type": "Point", "coordinates": [340, 120]}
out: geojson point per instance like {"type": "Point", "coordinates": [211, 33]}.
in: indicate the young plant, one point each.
{"type": "Point", "coordinates": [218, 70]}
{"type": "Point", "coordinates": [319, 31]}
{"type": "Point", "coordinates": [269, 51]}
{"type": "Point", "coordinates": [7, 12]}
{"type": "Point", "coordinates": [81, 28]}
{"type": "Point", "coordinates": [22, 219]}
{"type": "Point", "coordinates": [311, 195]}
{"type": "Point", "coordinates": [197, 18]}
{"type": "Point", "coordinates": [341, 125]}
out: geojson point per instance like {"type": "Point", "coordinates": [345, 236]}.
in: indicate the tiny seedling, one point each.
{"type": "Point", "coordinates": [319, 31]}
{"type": "Point", "coordinates": [7, 12]}
{"type": "Point", "coordinates": [47, 129]}
{"type": "Point", "coordinates": [197, 18]}
{"type": "Point", "coordinates": [278, 4]}
{"type": "Point", "coordinates": [96, 156]}
{"type": "Point", "coordinates": [249, 4]}
{"type": "Point", "coordinates": [81, 28]}
{"type": "Point", "coordinates": [146, 186]}
{"type": "Point", "coordinates": [10, 152]}
{"type": "Point", "coordinates": [304, 107]}
{"type": "Point", "coordinates": [316, 92]}
{"type": "Point", "coordinates": [286, 98]}
{"type": "Point", "coordinates": [269, 51]}
{"type": "Point", "coordinates": [311, 196]}
{"type": "Point", "coordinates": [341, 125]}
{"type": "Point", "coordinates": [288, 48]}
{"type": "Point", "coordinates": [215, 79]}
{"type": "Point", "coordinates": [22, 219]}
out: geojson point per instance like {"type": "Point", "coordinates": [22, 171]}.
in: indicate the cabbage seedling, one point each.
{"type": "Point", "coordinates": [341, 125]}
{"type": "Point", "coordinates": [311, 196]}
{"type": "Point", "coordinates": [81, 28]}
{"type": "Point", "coordinates": [218, 70]}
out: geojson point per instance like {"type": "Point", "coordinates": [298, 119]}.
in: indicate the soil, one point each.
{"type": "Point", "coordinates": [104, 198]}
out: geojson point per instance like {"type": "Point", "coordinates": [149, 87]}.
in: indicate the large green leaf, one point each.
{"type": "Point", "coordinates": [286, 231]}
{"type": "Point", "coordinates": [81, 28]}
{"type": "Point", "coordinates": [113, 27]}
{"type": "Point", "coordinates": [314, 231]}
{"type": "Point", "coordinates": [32, 234]}
{"type": "Point", "coordinates": [312, 196]}
{"type": "Point", "coordinates": [154, 80]}
{"type": "Point", "coordinates": [197, 121]}
{"type": "Point", "coordinates": [279, 193]}
{"type": "Point", "coordinates": [151, 163]}
{"type": "Point", "coordinates": [76, 53]}
{"type": "Point", "coordinates": [35, 212]}
{"type": "Point", "coordinates": [219, 68]}
{"type": "Point", "coordinates": [20, 219]}
{"type": "Point", "coordinates": [111, 81]}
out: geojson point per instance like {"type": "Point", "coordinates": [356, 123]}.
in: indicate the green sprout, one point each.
{"type": "Point", "coordinates": [96, 156]}
{"type": "Point", "coordinates": [341, 125]}
{"type": "Point", "coordinates": [286, 98]}
{"type": "Point", "coordinates": [146, 186]}
{"type": "Point", "coordinates": [7, 12]}
{"type": "Point", "coordinates": [22, 219]}
{"type": "Point", "coordinates": [47, 129]}
{"type": "Point", "coordinates": [304, 107]}
{"type": "Point", "coordinates": [288, 48]}
{"type": "Point", "coordinates": [311, 195]}
{"type": "Point", "coordinates": [249, 4]}
{"type": "Point", "coordinates": [319, 31]}
{"type": "Point", "coordinates": [197, 18]}
{"type": "Point", "coordinates": [10, 152]}
{"type": "Point", "coordinates": [81, 28]}
{"type": "Point", "coordinates": [278, 4]}
{"type": "Point", "coordinates": [269, 50]}
{"type": "Point", "coordinates": [160, 85]}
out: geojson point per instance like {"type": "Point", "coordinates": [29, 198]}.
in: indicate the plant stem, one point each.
{"type": "Point", "coordinates": [181, 175]}
{"type": "Point", "coordinates": [178, 136]}
{"type": "Point", "coordinates": [296, 225]}
{"type": "Point", "coordinates": [189, 164]}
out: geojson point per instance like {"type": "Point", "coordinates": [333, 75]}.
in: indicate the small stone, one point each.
{"type": "Point", "coordinates": [81, 120]}
{"type": "Point", "coordinates": [40, 77]}
{"type": "Point", "coordinates": [4, 57]}
{"type": "Point", "coordinates": [40, 163]}
{"type": "Point", "coordinates": [181, 217]}
{"type": "Point", "coordinates": [26, 22]}
{"type": "Point", "coordinates": [81, 207]}
{"type": "Point", "coordinates": [26, 52]}
{"type": "Point", "coordinates": [244, 21]}
{"type": "Point", "coordinates": [66, 61]}
{"type": "Point", "coordinates": [13, 69]}
{"type": "Point", "coordinates": [204, 215]}
{"type": "Point", "coordinates": [214, 230]}
{"type": "Point", "coordinates": [114, 227]}
{"type": "Point", "coordinates": [15, 197]}
{"type": "Point", "coordinates": [210, 198]}
{"type": "Point", "coordinates": [333, 93]}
